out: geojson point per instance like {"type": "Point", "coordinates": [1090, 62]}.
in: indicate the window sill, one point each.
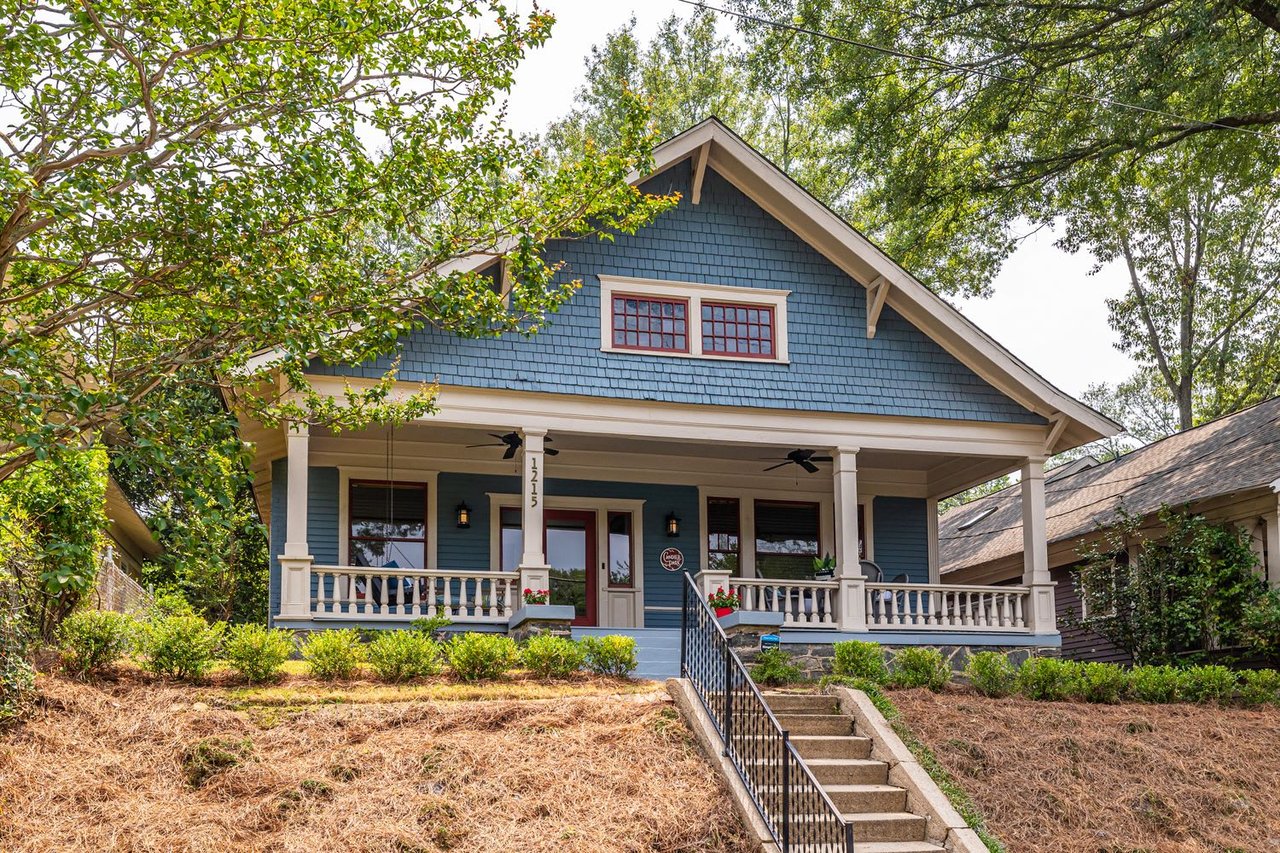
{"type": "Point", "coordinates": [694, 355]}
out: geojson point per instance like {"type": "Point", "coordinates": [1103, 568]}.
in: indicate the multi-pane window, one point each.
{"type": "Point", "coordinates": [388, 525]}
{"type": "Point", "coordinates": [723, 535]}
{"type": "Point", "coordinates": [786, 539]}
{"type": "Point", "coordinates": [649, 323]}
{"type": "Point", "coordinates": [740, 330]}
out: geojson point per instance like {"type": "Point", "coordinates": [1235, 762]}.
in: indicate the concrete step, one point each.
{"type": "Point", "coordinates": [831, 746]}
{"type": "Point", "coordinates": [886, 826]}
{"type": "Point", "coordinates": [800, 703]}
{"type": "Point", "coordinates": [895, 847]}
{"type": "Point", "coordinates": [867, 798]}
{"type": "Point", "coordinates": [848, 771]}
{"type": "Point", "coordinates": [816, 724]}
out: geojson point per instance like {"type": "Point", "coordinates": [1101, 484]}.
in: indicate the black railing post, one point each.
{"type": "Point", "coordinates": [786, 792]}
{"type": "Point", "coordinates": [728, 698]}
{"type": "Point", "coordinates": [684, 630]}
{"type": "Point", "coordinates": [848, 836]}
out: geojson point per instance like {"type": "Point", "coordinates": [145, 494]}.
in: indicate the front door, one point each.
{"type": "Point", "coordinates": [571, 553]}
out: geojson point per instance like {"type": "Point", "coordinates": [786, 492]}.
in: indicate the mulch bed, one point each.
{"type": "Point", "coordinates": [110, 767]}
{"type": "Point", "coordinates": [1061, 776]}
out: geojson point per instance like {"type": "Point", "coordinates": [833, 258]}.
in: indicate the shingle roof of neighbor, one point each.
{"type": "Point", "coordinates": [1231, 454]}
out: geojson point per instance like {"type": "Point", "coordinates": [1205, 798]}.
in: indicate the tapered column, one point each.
{"type": "Point", "coordinates": [533, 563]}
{"type": "Point", "coordinates": [1035, 550]}
{"type": "Point", "coordinates": [851, 606]}
{"type": "Point", "coordinates": [295, 562]}
{"type": "Point", "coordinates": [847, 533]}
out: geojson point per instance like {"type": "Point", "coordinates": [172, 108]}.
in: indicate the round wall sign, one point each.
{"type": "Point", "coordinates": [672, 559]}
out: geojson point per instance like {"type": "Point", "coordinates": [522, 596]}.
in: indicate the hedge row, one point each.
{"type": "Point", "coordinates": [993, 674]}
{"type": "Point", "coordinates": [184, 646]}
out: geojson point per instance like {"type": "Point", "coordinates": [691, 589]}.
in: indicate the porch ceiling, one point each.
{"type": "Point", "coordinates": [583, 455]}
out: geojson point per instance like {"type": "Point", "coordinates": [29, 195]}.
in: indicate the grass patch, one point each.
{"type": "Point", "coordinates": [301, 694]}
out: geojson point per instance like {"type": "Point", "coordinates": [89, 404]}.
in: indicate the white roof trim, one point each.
{"type": "Point", "coordinates": [842, 244]}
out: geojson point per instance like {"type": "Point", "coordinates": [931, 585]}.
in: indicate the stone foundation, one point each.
{"type": "Point", "coordinates": [816, 658]}
{"type": "Point", "coordinates": [534, 619]}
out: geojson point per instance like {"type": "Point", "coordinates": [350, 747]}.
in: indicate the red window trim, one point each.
{"type": "Point", "coordinates": [643, 297]}
{"type": "Point", "coordinates": [772, 355]}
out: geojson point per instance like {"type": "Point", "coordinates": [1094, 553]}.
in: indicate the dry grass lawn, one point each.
{"type": "Point", "coordinates": [1059, 776]}
{"type": "Point", "coordinates": [605, 768]}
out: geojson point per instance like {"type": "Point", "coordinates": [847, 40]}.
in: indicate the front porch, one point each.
{"type": "Point", "coordinates": [381, 528]}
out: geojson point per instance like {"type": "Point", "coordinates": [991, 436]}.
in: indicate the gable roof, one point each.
{"type": "Point", "coordinates": [713, 145]}
{"type": "Point", "coordinates": [846, 247]}
{"type": "Point", "coordinates": [1232, 454]}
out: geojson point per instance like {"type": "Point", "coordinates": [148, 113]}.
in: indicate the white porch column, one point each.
{"type": "Point", "coordinates": [852, 608]}
{"type": "Point", "coordinates": [534, 572]}
{"type": "Point", "coordinates": [1272, 569]}
{"type": "Point", "coordinates": [295, 562]}
{"type": "Point", "coordinates": [1042, 618]}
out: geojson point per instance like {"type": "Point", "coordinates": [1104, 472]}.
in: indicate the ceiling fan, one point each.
{"type": "Point", "coordinates": [803, 458]}
{"type": "Point", "coordinates": [512, 441]}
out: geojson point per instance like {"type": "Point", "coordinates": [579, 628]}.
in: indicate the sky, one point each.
{"type": "Point", "coordinates": [1046, 308]}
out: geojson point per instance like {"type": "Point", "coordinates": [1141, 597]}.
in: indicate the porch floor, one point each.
{"type": "Point", "coordinates": [657, 649]}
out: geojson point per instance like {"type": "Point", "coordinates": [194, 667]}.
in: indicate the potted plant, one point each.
{"type": "Point", "coordinates": [723, 603]}
{"type": "Point", "coordinates": [824, 568]}
{"type": "Point", "coordinates": [538, 596]}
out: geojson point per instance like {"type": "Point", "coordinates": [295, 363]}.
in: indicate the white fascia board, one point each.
{"type": "Point", "coordinates": [843, 245]}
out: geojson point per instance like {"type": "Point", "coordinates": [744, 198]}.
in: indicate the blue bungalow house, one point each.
{"type": "Point", "coordinates": [741, 389]}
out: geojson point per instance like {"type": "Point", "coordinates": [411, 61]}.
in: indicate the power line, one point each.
{"type": "Point", "coordinates": [969, 69]}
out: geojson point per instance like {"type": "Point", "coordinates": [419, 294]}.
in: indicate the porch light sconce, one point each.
{"type": "Point", "coordinates": [673, 524]}
{"type": "Point", "coordinates": [464, 515]}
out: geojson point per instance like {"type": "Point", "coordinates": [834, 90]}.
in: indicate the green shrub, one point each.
{"type": "Point", "coordinates": [1048, 679]}
{"type": "Point", "coordinates": [1210, 684]}
{"type": "Point", "coordinates": [549, 656]}
{"type": "Point", "coordinates": [774, 667]}
{"type": "Point", "coordinates": [401, 655]}
{"type": "Point", "coordinates": [613, 655]}
{"type": "Point", "coordinates": [859, 659]}
{"type": "Point", "coordinates": [1259, 687]}
{"type": "Point", "coordinates": [919, 666]}
{"type": "Point", "coordinates": [179, 646]}
{"type": "Point", "coordinates": [1102, 682]}
{"type": "Point", "coordinates": [1157, 684]}
{"type": "Point", "coordinates": [992, 674]}
{"type": "Point", "coordinates": [92, 640]}
{"type": "Point", "coordinates": [475, 657]}
{"type": "Point", "coordinates": [1260, 625]}
{"type": "Point", "coordinates": [257, 652]}
{"type": "Point", "coordinates": [432, 626]}
{"type": "Point", "coordinates": [335, 653]}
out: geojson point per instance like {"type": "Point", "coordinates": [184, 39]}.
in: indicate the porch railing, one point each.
{"type": "Point", "coordinates": [346, 592]}
{"type": "Point", "coordinates": [799, 814]}
{"type": "Point", "coordinates": [946, 607]}
{"type": "Point", "coordinates": [801, 603]}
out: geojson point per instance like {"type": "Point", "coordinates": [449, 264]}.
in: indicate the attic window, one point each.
{"type": "Point", "coordinates": [976, 517]}
{"type": "Point", "coordinates": [689, 320]}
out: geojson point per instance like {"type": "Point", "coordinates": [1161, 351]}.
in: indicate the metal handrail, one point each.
{"type": "Point", "coordinates": [780, 784]}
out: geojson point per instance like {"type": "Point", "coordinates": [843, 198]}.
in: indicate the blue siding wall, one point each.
{"type": "Point", "coordinates": [902, 537]}
{"type": "Point", "coordinates": [469, 549]}
{"type": "Point", "coordinates": [322, 520]}
{"type": "Point", "coordinates": [727, 239]}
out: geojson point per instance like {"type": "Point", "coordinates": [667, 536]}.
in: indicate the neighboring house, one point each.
{"type": "Point", "coordinates": [129, 545]}
{"type": "Point", "coordinates": [1227, 470]}
{"type": "Point", "coordinates": [743, 386]}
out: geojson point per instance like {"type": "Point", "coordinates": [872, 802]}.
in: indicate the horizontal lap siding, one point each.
{"type": "Point", "coordinates": [322, 521]}
{"type": "Point", "coordinates": [901, 537]}
{"type": "Point", "coordinates": [726, 239]}
{"type": "Point", "coordinates": [1077, 643]}
{"type": "Point", "coordinates": [469, 549]}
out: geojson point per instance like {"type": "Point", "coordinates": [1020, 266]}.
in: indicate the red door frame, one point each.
{"type": "Point", "coordinates": [588, 517]}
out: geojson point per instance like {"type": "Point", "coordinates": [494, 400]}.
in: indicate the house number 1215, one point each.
{"type": "Point", "coordinates": [533, 482]}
